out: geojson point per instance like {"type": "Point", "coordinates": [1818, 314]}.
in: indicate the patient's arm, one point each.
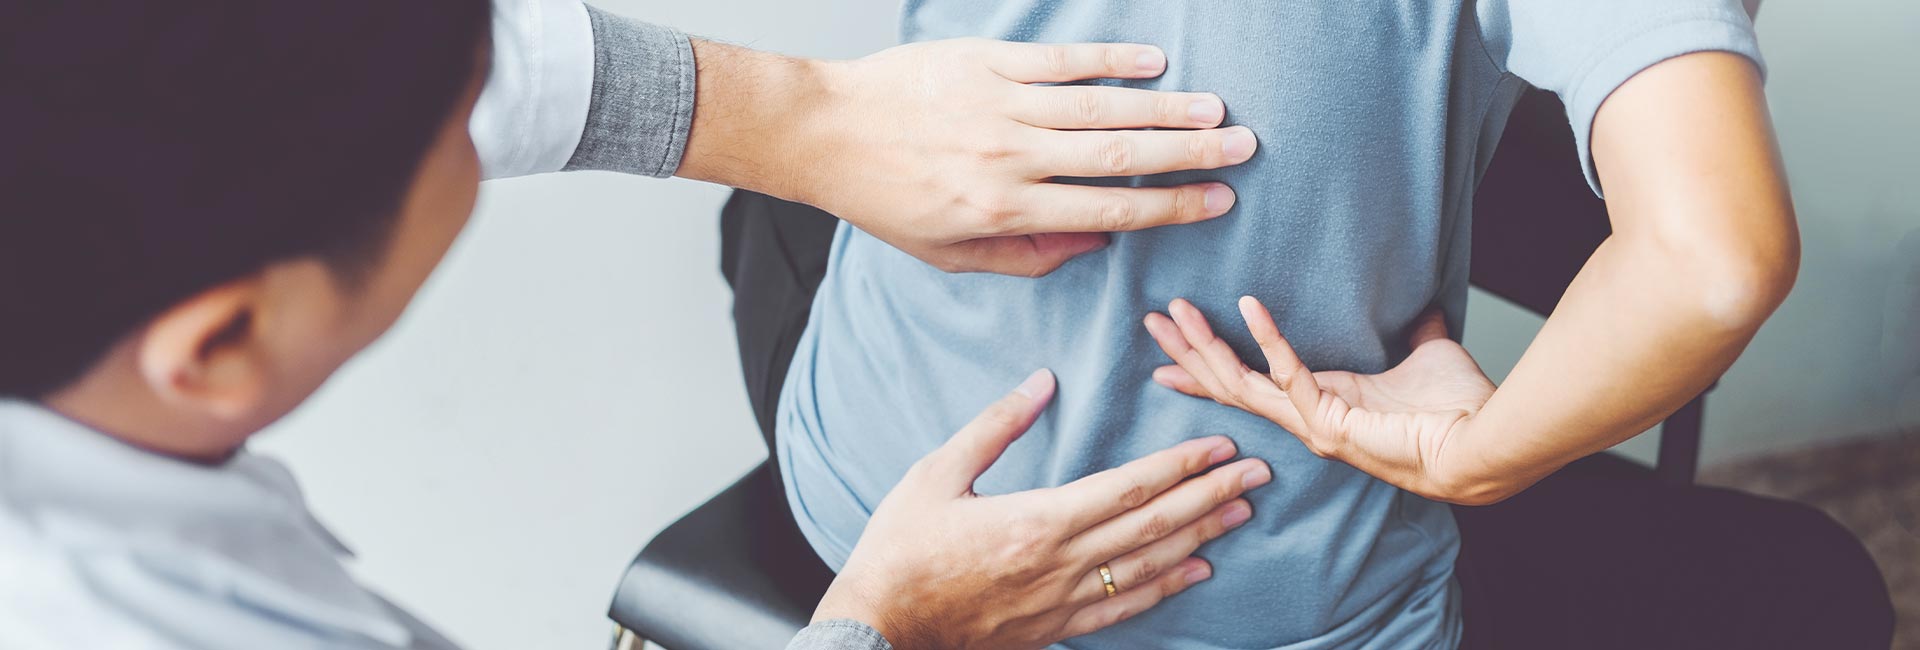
{"type": "Point", "coordinates": [1704, 249]}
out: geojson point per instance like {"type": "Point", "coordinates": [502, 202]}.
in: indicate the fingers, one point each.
{"type": "Point", "coordinates": [1432, 326]}
{"type": "Point", "coordinates": [1218, 356]}
{"type": "Point", "coordinates": [1106, 107]}
{"type": "Point", "coordinates": [1285, 366]}
{"type": "Point", "coordinates": [1208, 367]}
{"type": "Point", "coordinates": [1176, 378]}
{"type": "Point", "coordinates": [954, 466]}
{"type": "Point", "coordinates": [1171, 511]}
{"type": "Point", "coordinates": [1133, 600]}
{"type": "Point", "coordinates": [1148, 563]}
{"type": "Point", "coordinates": [1054, 63]}
{"type": "Point", "coordinates": [1099, 497]}
{"type": "Point", "coordinates": [1174, 343]}
{"type": "Point", "coordinates": [1058, 208]}
{"type": "Point", "coordinates": [1029, 256]}
{"type": "Point", "coordinates": [1137, 153]}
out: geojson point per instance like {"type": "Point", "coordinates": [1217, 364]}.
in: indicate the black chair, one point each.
{"type": "Point", "coordinates": [735, 574]}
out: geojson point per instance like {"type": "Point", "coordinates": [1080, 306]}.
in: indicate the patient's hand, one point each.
{"type": "Point", "coordinates": [942, 567]}
{"type": "Point", "coordinates": [1392, 425]}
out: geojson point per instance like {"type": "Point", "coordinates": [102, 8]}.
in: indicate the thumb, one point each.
{"type": "Point", "coordinates": [970, 452]}
{"type": "Point", "coordinates": [1431, 326]}
{"type": "Point", "coordinates": [1031, 255]}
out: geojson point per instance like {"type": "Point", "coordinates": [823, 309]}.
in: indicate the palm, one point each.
{"type": "Point", "coordinates": [1420, 400]}
{"type": "Point", "coordinates": [1405, 413]}
{"type": "Point", "coordinates": [1438, 376]}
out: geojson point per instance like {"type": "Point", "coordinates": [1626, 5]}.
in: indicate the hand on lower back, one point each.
{"type": "Point", "coordinates": [1393, 425]}
{"type": "Point", "coordinates": [940, 567]}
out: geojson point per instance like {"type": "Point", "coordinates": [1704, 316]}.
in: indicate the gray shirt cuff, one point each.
{"type": "Point", "coordinates": [840, 634]}
{"type": "Point", "coordinates": [642, 104]}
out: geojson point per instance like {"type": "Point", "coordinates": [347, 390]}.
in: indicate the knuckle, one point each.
{"type": "Point", "coordinates": [1167, 109]}
{"type": "Point", "coordinates": [1224, 490]}
{"type": "Point", "coordinates": [1147, 568]}
{"type": "Point", "coordinates": [1114, 60]}
{"type": "Point", "coordinates": [1167, 586]}
{"type": "Point", "coordinates": [1087, 108]}
{"type": "Point", "coordinates": [1157, 526]}
{"type": "Point", "coordinates": [1030, 534]}
{"type": "Point", "coordinates": [993, 150]}
{"type": "Point", "coordinates": [1202, 150]}
{"type": "Point", "coordinates": [1116, 155]}
{"type": "Point", "coordinates": [994, 214]}
{"type": "Point", "coordinates": [1117, 213]}
{"type": "Point", "coordinates": [1189, 202]}
{"type": "Point", "coordinates": [1134, 496]}
{"type": "Point", "coordinates": [1056, 61]}
{"type": "Point", "coordinates": [1001, 416]}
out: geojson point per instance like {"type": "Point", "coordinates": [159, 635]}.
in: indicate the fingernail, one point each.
{"type": "Point", "coordinates": [1198, 573]}
{"type": "Point", "coordinates": [1236, 514]}
{"type": "Point", "coordinates": [1219, 200]}
{"type": "Point", "coordinates": [1238, 144]}
{"type": "Point", "coordinates": [1206, 110]}
{"type": "Point", "coordinates": [1256, 477]}
{"type": "Point", "coordinates": [1221, 451]}
{"type": "Point", "coordinates": [1036, 384]}
{"type": "Point", "coordinates": [1151, 61]}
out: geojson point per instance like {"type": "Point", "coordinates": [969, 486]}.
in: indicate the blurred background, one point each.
{"type": "Point", "coordinates": [567, 384]}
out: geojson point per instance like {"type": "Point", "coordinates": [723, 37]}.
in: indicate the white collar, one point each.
{"type": "Point", "coordinates": [240, 529]}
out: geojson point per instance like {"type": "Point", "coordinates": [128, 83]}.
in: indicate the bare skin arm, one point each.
{"type": "Point", "coordinates": [948, 151]}
{"type": "Point", "coordinates": [1704, 248]}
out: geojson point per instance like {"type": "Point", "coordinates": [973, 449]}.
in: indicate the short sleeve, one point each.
{"type": "Point", "coordinates": [1582, 50]}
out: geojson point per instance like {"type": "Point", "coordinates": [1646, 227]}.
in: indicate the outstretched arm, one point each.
{"type": "Point", "coordinates": [947, 150]}
{"type": "Point", "coordinates": [1704, 249]}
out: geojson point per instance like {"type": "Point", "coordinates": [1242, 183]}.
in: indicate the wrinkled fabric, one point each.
{"type": "Point", "coordinates": [1375, 119]}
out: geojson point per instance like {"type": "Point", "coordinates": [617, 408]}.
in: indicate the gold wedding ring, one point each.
{"type": "Point", "coordinates": [1106, 579]}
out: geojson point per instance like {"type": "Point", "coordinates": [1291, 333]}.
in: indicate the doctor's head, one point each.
{"type": "Point", "coordinates": [207, 207]}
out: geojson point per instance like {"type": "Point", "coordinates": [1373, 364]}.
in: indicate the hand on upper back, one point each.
{"type": "Point", "coordinates": [939, 566]}
{"type": "Point", "coordinates": [949, 152]}
{"type": "Point", "coordinates": [1392, 425]}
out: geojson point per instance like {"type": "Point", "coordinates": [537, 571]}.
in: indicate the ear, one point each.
{"type": "Point", "coordinates": [206, 353]}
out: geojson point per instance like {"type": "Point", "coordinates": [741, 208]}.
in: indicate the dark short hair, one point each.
{"type": "Point", "coordinates": [153, 150]}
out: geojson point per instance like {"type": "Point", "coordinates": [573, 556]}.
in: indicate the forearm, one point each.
{"type": "Point", "coordinates": [1640, 332]}
{"type": "Point", "coordinates": [754, 123]}
{"type": "Point", "coordinates": [1704, 249]}
{"type": "Point", "coordinates": [667, 105]}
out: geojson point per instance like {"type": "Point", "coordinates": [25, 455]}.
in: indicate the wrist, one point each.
{"type": "Point", "coordinates": [881, 600]}
{"type": "Point", "coordinates": [1454, 474]}
{"type": "Point", "coordinates": [817, 136]}
{"type": "Point", "coordinates": [755, 120]}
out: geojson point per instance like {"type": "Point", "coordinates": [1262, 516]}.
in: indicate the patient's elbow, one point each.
{"type": "Point", "coordinates": [1733, 281]}
{"type": "Point", "coordinates": [1743, 284]}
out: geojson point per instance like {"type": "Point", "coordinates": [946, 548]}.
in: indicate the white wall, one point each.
{"type": "Point", "coordinates": [566, 385]}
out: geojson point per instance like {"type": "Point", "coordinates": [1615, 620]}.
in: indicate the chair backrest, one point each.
{"type": "Point", "coordinates": [1535, 221]}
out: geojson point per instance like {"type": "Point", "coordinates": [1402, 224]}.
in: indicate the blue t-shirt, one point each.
{"type": "Point", "coordinates": [1375, 120]}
